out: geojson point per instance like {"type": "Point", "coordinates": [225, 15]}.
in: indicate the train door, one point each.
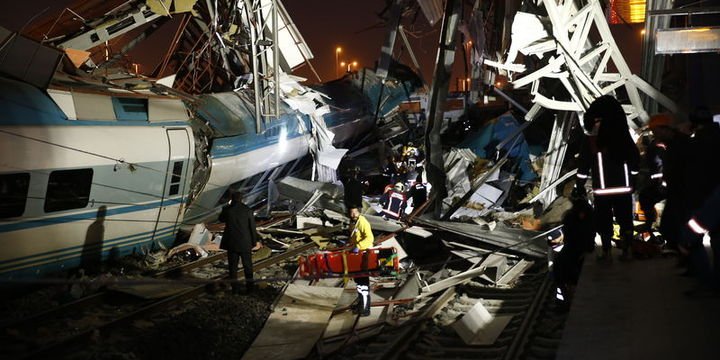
{"type": "Point", "coordinates": [175, 182]}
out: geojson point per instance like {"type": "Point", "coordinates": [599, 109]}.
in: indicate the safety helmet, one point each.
{"type": "Point", "coordinates": [399, 187]}
{"type": "Point", "coordinates": [658, 120]}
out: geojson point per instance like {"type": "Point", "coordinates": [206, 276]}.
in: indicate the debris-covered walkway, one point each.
{"type": "Point", "coordinates": [638, 310]}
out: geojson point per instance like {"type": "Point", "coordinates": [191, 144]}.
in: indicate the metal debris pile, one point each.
{"type": "Point", "coordinates": [436, 258]}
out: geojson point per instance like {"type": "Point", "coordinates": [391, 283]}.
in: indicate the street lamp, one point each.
{"type": "Point", "coordinates": [354, 64]}
{"type": "Point", "coordinates": [338, 50]}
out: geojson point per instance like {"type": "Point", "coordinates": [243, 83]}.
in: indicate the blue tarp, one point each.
{"type": "Point", "coordinates": [483, 143]}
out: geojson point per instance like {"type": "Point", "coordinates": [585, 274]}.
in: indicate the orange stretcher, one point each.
{"type": "Point", "coordinates": [345, 263]}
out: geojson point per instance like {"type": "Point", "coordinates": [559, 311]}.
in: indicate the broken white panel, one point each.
{"type": "Point", "coordinates": [487, 195]}
{"type": "Point", "coordinates": [526, 29]}
{"type": "Point", "coordinates": [293, 49]}
{"type": "Point", "coordinates": [199, 235]}
{"type": "Point", "coordinates": [419, 231]}
{"type": "Point", "coordinates": [304, 222]}
{"type": "Point", "coordinates": [331, 158]}
{"type": "Point", "coordinates": [110, 29]}
{"type": "Point", "coordinates": [687, 40]}
{"type": "Point", "coordinates": [479, 327]}
{"type": "Point", "coordinates": [64, 101]}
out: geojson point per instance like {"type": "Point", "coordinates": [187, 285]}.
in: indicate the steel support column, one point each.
{"type": "Point", "coordinates": [438, 95]}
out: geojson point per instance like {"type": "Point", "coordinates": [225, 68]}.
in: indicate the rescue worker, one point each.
{"type": "Point", "coordinates": [361, 238]}
{"type": "Point", "coordinates": [651, 188]}
{"type": "Point", "coordinates": [610, 155]}
{"type": "Point", "coordinates": [238, 239]}
{"type": "Point", "coordinates": [389, 171]}
{"type": "Point", "coordinates": [394, 202]}
{"type": "Point", "coordinates": [353, 189]}
{"type": "Point", "coordinates": [674, 145]}
{"type": "Point", "coordinates": [418, 192]}
{"type": "Point", "coordinates": [701, 178]}
{"type": "Point", "coordinates": [705, 221]}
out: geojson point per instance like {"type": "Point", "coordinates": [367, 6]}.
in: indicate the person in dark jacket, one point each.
{"type": "Point", "coordinates": [705, 221]}
{"type": "Point", "coordinates": [239, 239]}
{"type": "Point", "coordinates": [353, 189]}
{"type": "Point", "coordinates": [611, 157]}
{"type": "Point", "coordinates": [702, 178]}
{"type": "Point", "coordinates": [578, 238]}
{"type": "Point", "coordinates": [675, 147]}
{"type": "Point", "coordinates": [418, 192]}
{"type": "Point", "coordinates": [651, 185]}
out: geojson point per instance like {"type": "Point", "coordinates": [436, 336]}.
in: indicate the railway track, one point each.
{"type": "Point", "coordinates": [44, 334]}
{"type": "Point", "coordinates": [534, 331]}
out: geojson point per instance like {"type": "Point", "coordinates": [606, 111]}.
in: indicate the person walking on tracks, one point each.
{"type": "Point", "coordinates": [361, 238]}
{"type": "Point", "coordinates": [238, 239]}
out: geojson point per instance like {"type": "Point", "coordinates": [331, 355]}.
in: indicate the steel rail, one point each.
{"type": "Point", "coordinates": [153, 306]}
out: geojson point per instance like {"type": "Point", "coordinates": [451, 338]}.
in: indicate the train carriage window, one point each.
{"type": "Point", "coordinates": [13, 194]}
{"type": "Point", "coordinates": [176, 177]}
{"type": "Point", "coordinates": [68, 189]}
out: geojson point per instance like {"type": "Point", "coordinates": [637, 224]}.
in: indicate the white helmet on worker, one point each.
{"type": "Point", "coordinates": [399, 187]}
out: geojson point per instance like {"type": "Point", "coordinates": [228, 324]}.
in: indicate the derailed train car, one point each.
{"type": "Point", "coordinates": [89, 173]}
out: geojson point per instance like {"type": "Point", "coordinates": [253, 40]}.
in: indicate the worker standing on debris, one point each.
{"type": "Point", "coordinates": [353, 189]}
{"type": "Point", "coordinates": [611, 154]}
{"type": "Point", "coordinates": [389, 171]}
{"type": "Point", "coordinates": [361, 238]}
{"type": "Point", "coordinates": [238, 239]}
{"type": "Point", "coordinates": [651, 186]}
{"type": "Point", "coordinates": [393, 202]}
{"type": "Point", "coordinates": [418, 192]}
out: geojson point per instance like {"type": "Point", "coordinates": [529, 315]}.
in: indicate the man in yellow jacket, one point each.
{"type": "Point", "coordinates": [361, 238]}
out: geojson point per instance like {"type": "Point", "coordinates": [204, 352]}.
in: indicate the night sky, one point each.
{"type": "Point", "coordinates": [325, 24]}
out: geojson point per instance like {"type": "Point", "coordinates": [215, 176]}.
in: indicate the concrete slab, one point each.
{"type": "Point", "coordinates": [297, 322]}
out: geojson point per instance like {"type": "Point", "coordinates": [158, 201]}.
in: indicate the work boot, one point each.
{"type": "Point", "coordinates": [366, 308]}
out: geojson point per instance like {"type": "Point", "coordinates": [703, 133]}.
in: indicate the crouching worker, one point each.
{"type": "Point", "coordinates": [239, 239]}
{"type": "Point", "coordinates": [361, 238]}
{"type": "Point", "coordinates": [393, 202]}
